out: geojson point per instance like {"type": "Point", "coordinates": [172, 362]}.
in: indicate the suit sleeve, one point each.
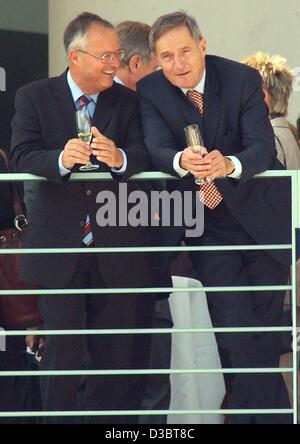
{"type": "Point", "coordinates": [28, 153]}
{"type": "Point", "coordinates": [159, 139]}
{"type": "Point", "coordinates": [258, 145]}
{"type": "Point", "coordinates": [138, 158]}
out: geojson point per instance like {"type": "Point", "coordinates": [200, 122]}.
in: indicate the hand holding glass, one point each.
{"type": "Point", "coordinates": [84, 130]}
{"type": "Point", "coordinates": [195, 142]}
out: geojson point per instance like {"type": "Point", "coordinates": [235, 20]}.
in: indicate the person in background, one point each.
{"type": "Point", "coordinates": [138, 62]}
{"type": "Point", "coordinates": [277, 83]}
{"type": "Point", "coordinates": [14, 346]}
{"type": "Point", "coordinates": [295, 133]}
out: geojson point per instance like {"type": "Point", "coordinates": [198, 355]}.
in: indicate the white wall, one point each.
{"type": "Point", "coordinates": [234, 28]}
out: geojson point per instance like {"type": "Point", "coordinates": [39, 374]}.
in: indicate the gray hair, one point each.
{"type": "Point", "coordinates": [77, 30]}
{"type": "Point", "coordinates": [134, 40]}
{"type": "Point", "coordinates": [171, 21]}
{"type": "Point", "coordinates": [277, 79]}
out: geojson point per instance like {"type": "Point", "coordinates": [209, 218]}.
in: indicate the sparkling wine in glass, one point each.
{"type": "Point", "coordinates": [84, 130]}
{"type": "Point", "coordinates": [195, 142]}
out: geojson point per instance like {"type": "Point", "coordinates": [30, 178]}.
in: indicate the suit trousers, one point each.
{"type": "Point", "coordinates": [245, 309]}
{"type": "Point", "coordinates": [158, 391]}
{"type": "Point", "coordinates": [9, 361]}
{"type": "Point", "coordinates": [95, 352]}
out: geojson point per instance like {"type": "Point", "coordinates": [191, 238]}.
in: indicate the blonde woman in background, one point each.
{"type": "Point", "coordinates": [277, 82]}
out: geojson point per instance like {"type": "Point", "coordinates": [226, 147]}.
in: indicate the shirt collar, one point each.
{"type": "Point", "coordinates": [117, 80]}
{"type": "Point", "coordinates": [76, 91]}
{"type": "Point", "coordinates": [200, 87]}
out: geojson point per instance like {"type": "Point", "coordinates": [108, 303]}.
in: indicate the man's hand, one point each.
{"type": "Point", "coordinates": [209, 166]}
{"type": "Point", "coordinates": [36, 343]}
{"type": "Point", "coordinates": [106, 151]}
{"type": "Point", "coordinates": [76, 152]}
{"type": "Point", "coordinates": [191, 159]}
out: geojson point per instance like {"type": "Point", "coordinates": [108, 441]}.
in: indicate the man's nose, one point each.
{"type": "Point", "coordinates": [115, 62]}
{"type": "Point", "coordinates": [179, 62]}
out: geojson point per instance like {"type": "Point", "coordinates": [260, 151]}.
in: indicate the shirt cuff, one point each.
{"type": "Point", "coordinates": [124, 167]}
{"type": "Point", "coordinates": [176, 165]}
{"type": "Point", "coordinates": [63, 171]}
{"type": "Point", "coordinates": [237, 174]}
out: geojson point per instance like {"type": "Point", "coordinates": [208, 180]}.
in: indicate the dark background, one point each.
{"type": "Point", "coordinates": [24, 56]}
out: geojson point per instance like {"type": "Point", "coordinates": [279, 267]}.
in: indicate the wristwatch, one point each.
{"type": "Point", "coordinates": [233, 166]}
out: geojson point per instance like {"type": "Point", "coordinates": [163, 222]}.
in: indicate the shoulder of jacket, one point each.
{"type": "Point", "coordinates": [123, 91]}
{"type": "Point", "coordinates": [38, 85]}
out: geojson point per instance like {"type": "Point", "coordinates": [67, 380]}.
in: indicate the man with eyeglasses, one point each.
{"type": "Point", "coordinates": [62, 214]}
{"type": "Point", "coordinates": [226, 101]}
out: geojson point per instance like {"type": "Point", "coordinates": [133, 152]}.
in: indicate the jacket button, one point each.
{"type": "Point", "coordinates": [88, 192]}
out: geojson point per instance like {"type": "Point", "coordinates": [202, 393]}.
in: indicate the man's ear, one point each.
{"type": "Point", "coordinates": [134, 63]}
{"type": "Point", "coordinates": [73, 56]}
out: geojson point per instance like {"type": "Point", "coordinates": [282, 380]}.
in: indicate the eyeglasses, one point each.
{"type": "Point", "coordinates": [106, 58]}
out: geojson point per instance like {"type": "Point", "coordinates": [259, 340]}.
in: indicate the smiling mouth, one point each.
{"type": "Point", "coordinates": [109, 73]}
{"type": "Point", "coordinates": [183, 74]}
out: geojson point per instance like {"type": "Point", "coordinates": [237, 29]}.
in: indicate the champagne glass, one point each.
{"type": "Point", "coordinates": [195, 142]}
{"type": "Point", "coordinates": [84, 130]}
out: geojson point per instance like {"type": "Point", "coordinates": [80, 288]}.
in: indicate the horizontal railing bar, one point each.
{"type": "Point", "coordinates": [151, 175]}
{"type": "Point", "coordinates": [144, 331]}
{"type": "Point", "coordinates": [140, 291]}
{"type": "Point", "coordinates": [22, 251]}
{"type": "Point", "coordinates": [144, 413]}
{"type": "Point", "coordinates": [86, 177]}
{"type": "Point", "coordinates": [36, 373]}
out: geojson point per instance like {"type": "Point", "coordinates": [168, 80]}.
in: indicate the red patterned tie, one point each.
{"type": "Point", "coordinates": [87, 239]}
{"type": "Point", "coordinates": [209, 194]}
{"type": "Point", "coordinates": [83, 101]}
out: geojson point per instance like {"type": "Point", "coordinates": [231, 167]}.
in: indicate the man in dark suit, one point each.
{"type": "Point", "coordinates": [225, 100]}
{"type": "Point", "coordinates": [63, 214]}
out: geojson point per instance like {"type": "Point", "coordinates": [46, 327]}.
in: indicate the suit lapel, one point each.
{"type": "Point", "coordinates": [190, 112]}
{"type": "Point", "coordinates": [212, 107]}
{"type": "Point", "coordinates": [180, 108]}
{"type": "Point", "coordinates": [65, 104]}
{"type": "Point", "coordinates": [105, 107]}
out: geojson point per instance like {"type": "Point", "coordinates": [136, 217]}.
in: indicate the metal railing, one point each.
{"type": "Point", "coordinates": [295, 178]}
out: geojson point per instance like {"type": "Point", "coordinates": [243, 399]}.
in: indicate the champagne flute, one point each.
{"type": "Point", "coordinates": [84, 130]}
{"type": "Point", "coordinates": [195, 142]}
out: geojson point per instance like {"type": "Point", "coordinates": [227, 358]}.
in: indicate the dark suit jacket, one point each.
{"type": "Point", "coordinates": [43, 123]}
{"type": "Point", "coordinates": [235, 122]}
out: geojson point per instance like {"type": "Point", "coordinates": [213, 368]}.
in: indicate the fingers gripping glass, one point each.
{"type": "Point", "coordinates": [84, 130]}
{"type": "Point", "coordinates": [195, 142]}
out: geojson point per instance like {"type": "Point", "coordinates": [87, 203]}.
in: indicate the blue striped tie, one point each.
{"type": "Point", "coordinates": [88, 239]}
